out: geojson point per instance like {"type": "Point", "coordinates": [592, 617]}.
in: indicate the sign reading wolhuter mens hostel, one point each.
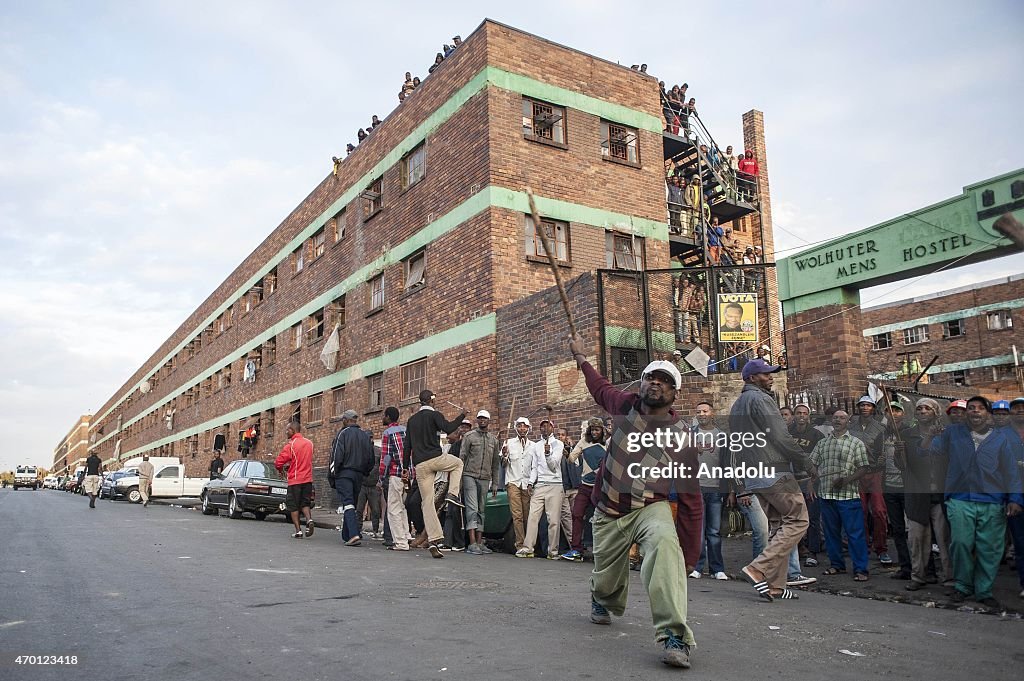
{"type": "Point", "coordinates": [857, 258]}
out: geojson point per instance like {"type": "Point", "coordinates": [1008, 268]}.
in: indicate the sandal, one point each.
{"type": "Point", "coordinates": [834, 571]}
{"type": "Point", "coordinates": [860, 577]}
{"type": "Point", "coordinates": [761, 587]}
{"type": "Point", "coordinates": [786, 595]}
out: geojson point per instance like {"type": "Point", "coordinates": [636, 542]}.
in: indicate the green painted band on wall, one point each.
{"type": "Point", "coordinates": [954, 366]}
{"type": "Point", "coordinates": [489, 75]}
{"type": "Point", "coordinates": [945, 317]}
{"type": "Point", "coordinates": [574, 212]}
{"type": "Point", "coordinates": [482, 327]}
{"type": "Point", "coordinates": [832, 296]}
{"type": "Point", "coordinates": [622, 337]}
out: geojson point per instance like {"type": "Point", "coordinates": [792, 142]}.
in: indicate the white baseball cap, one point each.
{"type": "Point", "coordinates": [483, 412]}
{"type": "Point", "coordinates": [523, 419]}
{"type": "Point", "coordinates": [665, 367]}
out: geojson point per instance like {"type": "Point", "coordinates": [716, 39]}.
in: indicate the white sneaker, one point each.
{"type": "Point", "coordinates": [800, 580]}
{"type": "Point", "coordinates": [695, 575]}
{"type": "Point", "coordinates": [721, 576]}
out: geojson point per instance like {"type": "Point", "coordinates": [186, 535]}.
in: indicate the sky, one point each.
{"type": "Point", "coordinates": [147, 148]}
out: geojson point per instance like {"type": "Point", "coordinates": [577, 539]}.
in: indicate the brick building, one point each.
{"type": "Point", "coordinates": [73, 449]}
{"type": "Point", "coordinates": [976, 334]}
{"type": "Point", "coordinates": [420, 251]}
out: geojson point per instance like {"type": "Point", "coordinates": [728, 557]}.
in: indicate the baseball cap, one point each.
{"type": "Point", "coordinates": [350, 414]}
{"type": "Point", "coordinates": [467, 422]}
{"type": "Point", "coordinates": [1017, 400]}
{"type": "Point", "coordinates": [865, 400]}
{"type": "Point", "coordinates": [677, 353]}
{"type": "Point", "coordinates": [484, 413]}
{"type": "Point", "coordinates": [666, 367]}
{"type": "Point", "coordinates": [961, 404]}
{"type": "Point", "coordinates": [1001, 404]}
{"type": "Point", "coordinates": [523, 419]}
{"type": "Point", "coordinates": [896, 405]}
{"type": "Point", "coordinates": [758, 366]}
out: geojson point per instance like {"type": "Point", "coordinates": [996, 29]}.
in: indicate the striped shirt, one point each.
{"type": "Point", "coordinates": [839, 457]}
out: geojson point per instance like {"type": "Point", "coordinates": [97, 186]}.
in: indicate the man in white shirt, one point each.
{"type": "Point", "coordinates": [516, 456]}
{"type": "Point", "coordinates": [546, 481]}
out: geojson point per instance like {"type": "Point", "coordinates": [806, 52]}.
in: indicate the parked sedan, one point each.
{"type": "Point", "coordinates": [109, 489]}
{"type": "Point", "coordinates": [245, 486]}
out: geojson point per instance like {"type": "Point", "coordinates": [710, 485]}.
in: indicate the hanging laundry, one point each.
{"type": "Point", "coordinates": [219, 442]}
{"type": "Point", "coordinates": [249, 375]}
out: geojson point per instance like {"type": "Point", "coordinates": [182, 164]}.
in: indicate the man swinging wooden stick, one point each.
{"type": "Point", "coordinates": [632, 505]}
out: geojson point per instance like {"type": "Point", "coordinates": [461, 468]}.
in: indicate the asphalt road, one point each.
{"type": "Point", "coordinates": [167, 593]}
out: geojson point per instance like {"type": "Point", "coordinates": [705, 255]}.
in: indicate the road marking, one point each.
{"type": "Point", "coordinates": [276, 572]}
{"type": "Point", "coordinates": [11, 624]}
{"type": "Point", "coordinates": [181, 557]}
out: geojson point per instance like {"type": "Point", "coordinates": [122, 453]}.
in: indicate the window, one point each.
{"type": "Point", "coordinates": [960, 377]}
{"type": "Point", "coordinates": [415, 266]}
{"type": "Point", "coordinates": [414, 166]}
{"type": "Point", "coordinates": [1017, 189]}
{"type": "Point", "coordinates": [337, 402]}
{"type": "Point", "coordinates": [624, 251]}
{"type": "Point", "coordinates": [299, 259]}
{"type": "Point", "coordinates": [314, 409]}
{"type": "Point", "coordinates": [414, 379]}
{"type": "Point", "coordinates": [881, 341]}
{"type": "Point", "coordinates": [620, 143]}
{"type": "Point", "coordinates": [229, 316]}
{"type": "Point", "coordinates": [270, 281]}
{"type": "Point", "coordinates": [296, 411]}
{"type": "Point", "coordinates": [988, 198]}
{"type": "Point", "coordinates": [297, 336]}
{"type": "Point", "coordinates": [373, 198]}
{"type": "Point", "coordinates": [999, 320]}
{"type": "Point", "coordinates": [319, 241]}
{"type": "Point", "coordinates": [337, 310]}
{"type": "Point", "coordinates": [270, 351]}
{"type": "Point", "coordinates": [220, 325]}
{"type": "Point", "coordinates": [1003, 372]}
{"type": "Point", "coordinates": [376, 287]}
{"type": "Point", "coordinates": [169, 472]}
{"type": "Point", "coordinates": [226, 373]}
{"type": "Point", "coordinates": [558, 235]}
{"type": "Point", "coordinates": [917, 334]}
{"type": "Point", "coordinates": [543, 122]}
{"type": "Point", "coordinates": [375, 387]}
{"type": "Point", "coordinates": [315, 325]}
{"type": "Point", "coordinates": [627, 363]}
{"type": "Point", "coordinates": [953, 328]}
{"type": "Point", "coordinates": [338, 226]}
{"type": "Point", "coordinates": [218, 379]}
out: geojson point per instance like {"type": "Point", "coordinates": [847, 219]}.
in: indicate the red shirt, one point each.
{"type": "Point", "coordinates": [748, 166]}
{"type": "Point", "coordinates": [299, 453]}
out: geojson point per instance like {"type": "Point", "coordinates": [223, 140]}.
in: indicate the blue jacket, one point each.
{"type": "Point", "coordinates": [989, 475]}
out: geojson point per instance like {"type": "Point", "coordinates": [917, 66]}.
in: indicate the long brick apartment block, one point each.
{"type": "Point", "coordinates": [411, 248]}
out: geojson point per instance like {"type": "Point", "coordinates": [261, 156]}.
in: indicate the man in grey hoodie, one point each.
{"type": "Point", "coordinates": [756, 422]}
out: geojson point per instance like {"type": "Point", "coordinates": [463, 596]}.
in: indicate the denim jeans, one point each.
{"type": "Point", "coordinates": [347, 486]}
{"type": "Point", "coordinates": [758, 523]}
{"type": "Point", "coordinates": [848, 516]}
{"type": "Point", "coordinates": [711, 538]}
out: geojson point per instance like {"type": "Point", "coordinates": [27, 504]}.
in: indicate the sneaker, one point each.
{"type": "Point", "coordinates": [298, 535]}
{"type": "Point", "coordinates": [576, 556]}
{"type": "Point", "coordinates": [598, 613]}
{"type": "Point", "coordinates": [885, 559]}
{"type": "Point", "coordinates": [949, 583]}
{"type": "Point", "coordinates": [395, 547]}
{"type": "Point", "coordinates": [800, 580]}
{"type": "Point", "coordinates": [310, 527]}
{"type": "Point", "coordinates": [441, 546]}
{"type": "Point", "coordinates": [473, 550]}
{"type": "Point", "coordinates": [483, 548]}
{"type": "Point", "coordinates": [354, 541]}
{"type": "Point", "coordinates": [435, 550]}
{"type": "Point", "coordinates": [900, 574]}
{"type": "Point", "coordinates": [811, 561]}
{"type": "Point", "coordinates": [455, 500]}
{"type": "Point", "coordinates": [990, 603]}
{"type": "Point", "coordinates": [524, 553]}
{"type": "Point", "coordinates": [634, 565]}
{"type": "Point", "coordinates": [554, 556]}
{"type": "Point", "coordinates": [677, 653]}
{"type": "Point", "coordinates": [458, 549]}
{"type": "Point", "coordinates": [695, 575]}
{"type": "Point", "coordinates": [914, 585]}
{"type": "Point", "coordinates": [721, 576]}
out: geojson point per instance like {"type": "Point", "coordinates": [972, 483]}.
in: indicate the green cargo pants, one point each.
{"type": "Point", "coordinates": [663, 571]}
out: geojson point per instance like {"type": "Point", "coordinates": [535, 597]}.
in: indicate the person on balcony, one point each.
{"type": "Point", "coordinates": [748, 170]}
{"type": "Point", "coordinates": [675, 205]}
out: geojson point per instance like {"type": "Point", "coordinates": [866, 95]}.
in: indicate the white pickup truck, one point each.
{"type": "Point", "coordinates": [26, 476]}
{"type": "Point", "coordinates": [169, 482]}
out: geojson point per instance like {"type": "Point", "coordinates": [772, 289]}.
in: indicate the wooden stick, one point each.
{"type": "Point", "coordinates": [511, 415]}
{"type": "Point", "coordinates": [543, 235]}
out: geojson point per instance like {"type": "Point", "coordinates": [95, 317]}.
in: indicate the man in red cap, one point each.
{"type": "Point", "coordinates": [957, 412]}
